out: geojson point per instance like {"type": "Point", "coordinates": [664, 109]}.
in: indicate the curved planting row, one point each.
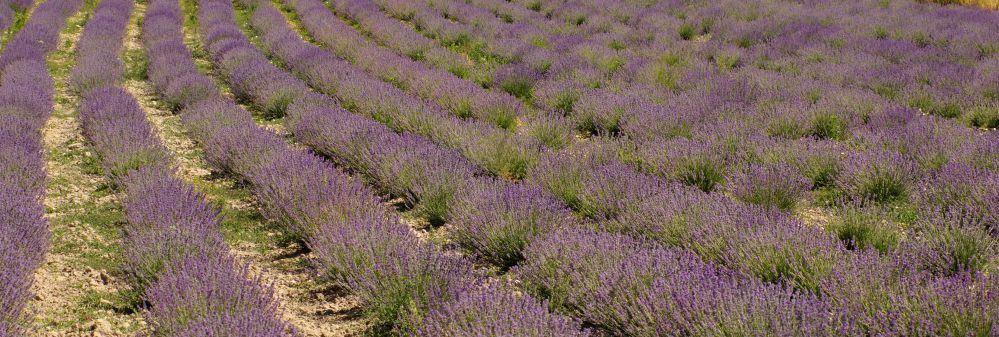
{"type": "Point", "coordinates": [571, 33]}
{"type": "Point", "coordinates": [407, 42]}
{"type": "Point", "coordinates": [545, 127]}
{"type": "Point", "coordinates": [754, 168]}
{"type": "Point", "coordinates": [756, 60]}
{"type": "Point", "coordinates": [601, 190]}
{"type": "Point", "coordinates": [519, 49]}
{"type": "Point", "coordinates": [174, 253]}
{"type": "Point", "coordinates": [809, 261]}
{"type": "Point", "coordinates": [891, 154]}
{"type": "Point", "coordinates": [554, 132]}
{"type": "Point", "coordinates": [604, 190]}
{"type": "Point", "coordinates": [405, 284]}
{"type": "Point", "coordinates": [438, 208]}
{"type": "Point", "coordinates": [593, 13]}
{"type": "Point", "coordinates": [807, 268]}
{"type": "Point", "coordinates": [508, 224]}
{"type": "Point", "coordinates": [455, 35]}
{"type": "Point", "coordinates": [516, 225]}
{"type": "Point", "coordinates": [9, 12]}
{"type": "Point", "coordinates": [423, 184]}
{"type": "Point", "coordinates": [592, 34]}
{"type": "Point", "coordinates": [499, 151]}
{"type": "Point", "coordinates": [557, 70]}
{"type": "Point", "coordinates": [462, 98]}
{"type": "Point", "coordinates": [342, 39]}
{"type": "Point", "coordinates": [517, 44]}
{"type": "Point", "coordinates": [535, 54]}
{"type": "Point", "coordinates": [26, 92]}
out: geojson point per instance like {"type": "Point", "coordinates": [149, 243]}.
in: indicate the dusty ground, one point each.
{"type": "Point", "coordinates": [312, 307]}
{"type": "Point", "coordinates": [77, 291]}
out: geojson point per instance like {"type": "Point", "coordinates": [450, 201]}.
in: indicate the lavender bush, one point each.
{"type": "Point", "coordinates": [497, 219]}
{"type": "Point", "coordinates": [878, 175]}
{"type": "Point", "coordinates": [174, 253]}
{"type": "Point", "coordinates": [759, 101]}
{"type": "Point", "coordinates": [631, 287]}
{"type": "Point", "coordinates": [358, 242]}
{"type": "Point", "coordinates": [866, 227]}
{"type": "Point", "coordinates": [772, 185]}
{"type": "Point", "coordinates": [492, 312]}
{"type": "Point", "coordinates": [26, 100]}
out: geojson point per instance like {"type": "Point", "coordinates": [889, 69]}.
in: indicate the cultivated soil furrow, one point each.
{"type": "Point", "coordinates": [311, 306]}
{"type": "Point", "coordinates": [79, 291]}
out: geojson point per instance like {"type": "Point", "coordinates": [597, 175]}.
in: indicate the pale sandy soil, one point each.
{"type": "Point", "coordinates": [77, 291]}
{"type": "Point", "coordinates": [309, 305]}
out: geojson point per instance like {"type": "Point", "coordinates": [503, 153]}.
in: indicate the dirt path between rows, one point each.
{"type": "Point", "coordinates": [77, 289]}
{"type": "Point", "coordinates": [312, 307]}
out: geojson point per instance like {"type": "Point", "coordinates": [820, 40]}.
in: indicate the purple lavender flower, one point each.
{"type": "Point", "coordinates": [497, 219]}
{"type": "Point", "coordinates": [496, 312]}
{"type": "Point", "coordinates": [24, 239]}
{"type": "Point", "coordinates": [633, 287]}
{"type": "Point", "coordinates": [211, 296]}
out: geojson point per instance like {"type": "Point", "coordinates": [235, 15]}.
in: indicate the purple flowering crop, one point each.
{"type": "Point", "coordinates": [26, 101]}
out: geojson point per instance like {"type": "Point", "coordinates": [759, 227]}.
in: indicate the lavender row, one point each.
{"type": "Point", "coordinates": [439, 184]}
{"type": "Point", "coordinates": [889, 158]}
{"type": "Point", "coordinates": [706, 166]}
{"type": "Point", "coordinates": [703, 175]}
{"type": "Point", "coordinates": [590, 19]}
{"type": "Point", "coordinates": [706, 172]}
{"type": "Point", "coordinates": [462, 98]}
{"type": "Point", "coordinates": [534, 53]}
{"type": "Point", "coordinates": [9, 10]}
{"type": "Point", "coordinates": [545, 62]}
{"type": "Point", "coordinates": [872, 191]}
{"type": "Point", "coordinates": [497, 220]}
{"type": "Point", "coordinates": [358, 243]}
{"type": "Point", "coordinates": [97, 61]}
{"type": "Point", "coordinates": [567, 26]}
{"type": "Point", "coordinates": [250, 73]}
{"type": "Point", "coordinates": [703, 162]}
{"type": "Point", "coordinates": [516, 42]}
{"type": "Point", "coordinates": [515, 79]}
{"type": "Point", "coordinates": [856, 52]}
{"type": "Point", "coordinates": [26, 101]}
{"type": "Point", "coordinates": [763, 270]}
{"type": "Point", "coordinates": [670, 62]}
{"type": "Point", "coordinates": [893, 155]}
{"type": "Point", "coordinates": [452, 34]}
{"type": "Point", "coordinates": [604, 113]}
{"type": "Point", "coordinates": [408, 42]}
{"type": "Point", "coordinates": [40, 35]}
{"type": "Point", "coordinates": [429, 177]}
{"type": "Point", "coordinates": [658, 70]}
{"type": "Point", "coordinates": [497, 150]}
{"type": "Point", "coordinates": [174, 252]}
{"type": "Point", "coordinates": [608, 277]}
{"type": "Point", "coordinates": [385, 168]}
{"type": "Point", "coordinates": [773, 247]}
{"type": "Point", "coordinates": [513, 224]}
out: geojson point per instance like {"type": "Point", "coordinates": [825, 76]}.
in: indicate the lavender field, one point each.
{"type": "Point", "coordinates": [499, 168]}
